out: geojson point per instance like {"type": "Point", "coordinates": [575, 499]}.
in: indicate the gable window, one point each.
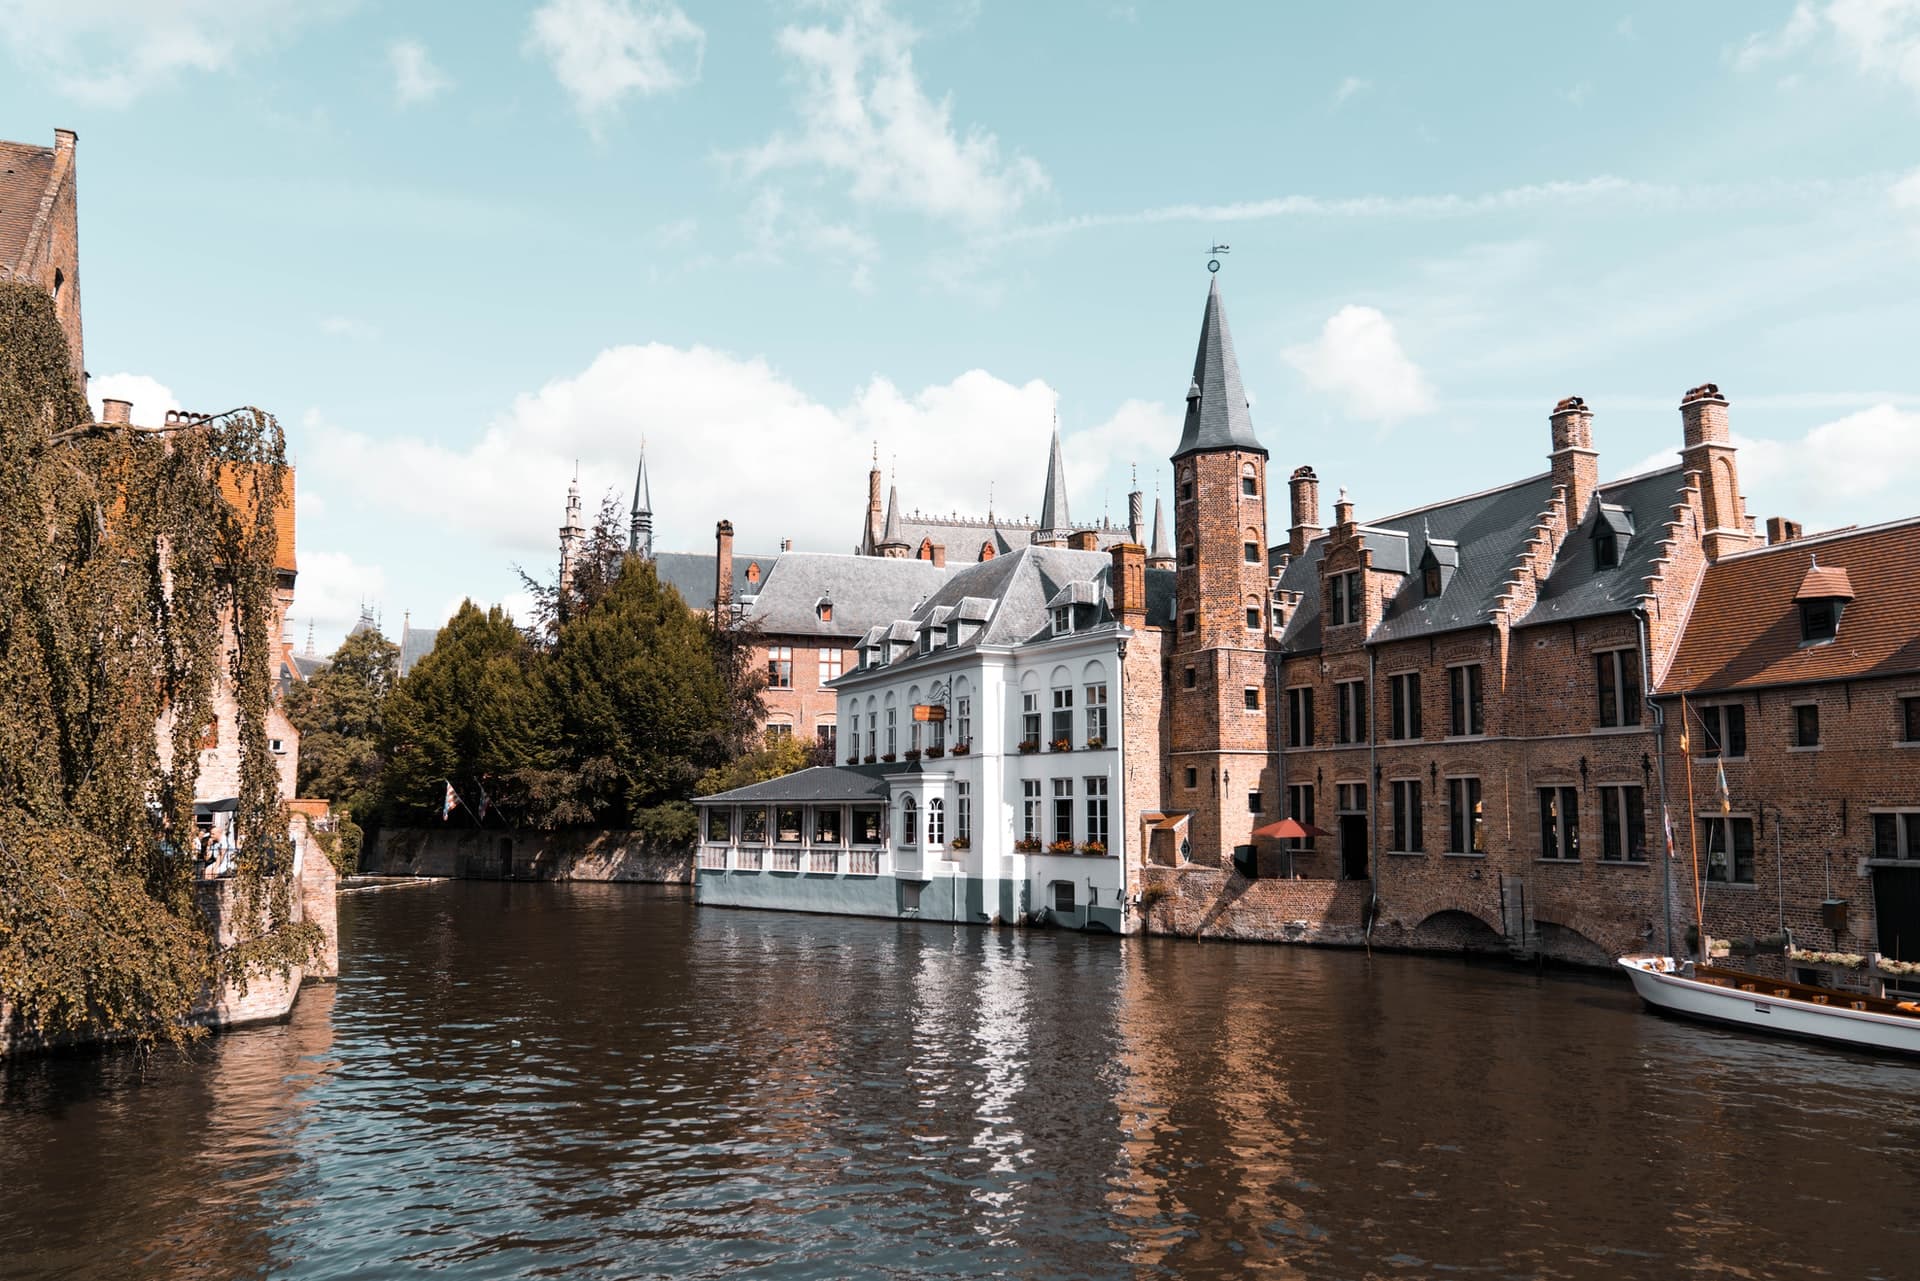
{"type": "Point", "coordinates": [1466, 712]}
{"type": "Point", "coordinates": [1063, 811]}
{"type": "Point", "coordinates": [1300, 717]}
{"type": "Point", "coordinates": [1623, 825]}
{"type": "Point", "coordinates": [1618, 681]}
{"type": "Point", "coordinates": [1030, 717]}
{"type": "Point", "coordinates": [1723, 730]}
{"type": "Point", "coordinates": [1729, 846]}
{"type": "Point", "coordinates": [1350, 698]}
{"type": "Point", "coordinates": [1559, 823]}
{"type": "Point", "coordinates": [1819, 620]}
{"type": "Point", "coordinates": [1896, 835]}
{"type": "Point", "coordinates": [1405, 692]}
{"type": "Point", "coordinates": [830, 664]}
{"type": "Point", "coordinates": [1030, 809]}
{"type": "Point", "coordinates": [1806, 725]}
{"type": "Point", "coordinates": [780, 666]}
{"type": "Point", "coordinates": [1300, 809]}
{"type": "Point", "coordinates": [909, 822]}
{"type": "Point", "coordinates": [1251, 551]}
{"type": "Point", "coordinates": [1408, 834]}
{"type": "Point", "coordinates": [1466, 817]}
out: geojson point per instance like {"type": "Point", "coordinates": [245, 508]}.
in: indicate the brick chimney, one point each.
{"type": "Point", "coordinates": [939, 555]}
{"type": "Point", "coordinates": [1707, 452]}
{"type": "Point", "coordinates": [1575, 462]}
{"type": "Point", "coordinates": [116, 411]}
{"type": "Point", "coordinates": [1305, 487]}
{"type": "Point", "coordinates": [1084, 540]}
{"type": "Point", "coordinates": [722, 568]}
{"type": "Point", "coordinates": [1129, 581]}
{"type": "Point", "coordinates": [1782, 530]}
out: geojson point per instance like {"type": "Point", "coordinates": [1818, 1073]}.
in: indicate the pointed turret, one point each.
{"type": "Point", "coordinates": [1217, 414]}
{"type": "Point", "coordinates": [1161, 555]}
{"type": "Point", "coordinates": [572, 535]}
{"type": "Point", "coordinates": [873, 529]}
{"type": "Point", "coordinates": [1136, 514]}
{"type": "Point", "coordinates": [893, 543]}
{"type": "Point", "coordinates": [640, 531]}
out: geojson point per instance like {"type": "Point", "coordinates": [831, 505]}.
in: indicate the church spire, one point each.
{"type": "Point", "coordinates": [1055, 523]}
{"type": "Point", "coordinates": [572, 535]}
{"type": "Point", "coordinates": [1217, 412]}
{"type": "Point", "coordinates": [640, 531]}
{"type": "Point", "coordinates": [1161, 557]}
{"type": "Point", "coordinates": [893, 542]}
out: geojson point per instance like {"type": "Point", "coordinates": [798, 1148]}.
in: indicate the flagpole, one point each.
{"type": "Point", "coordinates": [1693, 831]}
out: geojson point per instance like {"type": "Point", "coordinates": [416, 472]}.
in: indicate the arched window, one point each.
{"type": "Point", "coordinates": [913, 721]}
{"type": "Point", "coordinates": [986, 551]}
{"type": "Point", "coordinates": [1186, 483]}
{"type": "Point", "coordinates": [909, 822]}
{"type": "Point", "coordinates": [936, 822]}
{"type": "Point", "coordinates": [926, 549]}
{"type": "Point", "coordinates": [1256, 614]}
{"type": "Point", "coordinates": [873, 729]}
{"type": "Point", "coordinates": [893, 728]}
{"type": "Point", "coordinates": [59, 283]}
{"type": "Point", "coordinates": [1062, 726]}
{"type": "Point", "coordinates": [1093, 687]}
{"type": "Point", "coordinates": [1249, 481]}
{"type": "Point", "coordinates": [1029, 712]}
{"type": "Point", "coordinates": [1250, 546]}
{"type": "Point", "coordinates": [962, 713]}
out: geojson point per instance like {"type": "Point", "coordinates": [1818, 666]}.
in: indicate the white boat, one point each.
{"type": "Point", "coordinates": [1776, 1006]}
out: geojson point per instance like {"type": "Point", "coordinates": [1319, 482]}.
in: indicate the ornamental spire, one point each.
{"type": "Point", "coordinates": [1218, 416]}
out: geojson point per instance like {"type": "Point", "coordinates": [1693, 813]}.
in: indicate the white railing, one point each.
{"type": "Point", "coordinates": [713, 858]}
{"type": "Point", "coordinates": [749, 860]}
{"type": "Point", "coordinates": [786, 860]}
{"type": "Point", "coordinates": [863, 863]}
{"type": "Point", "coordinates": [823, 861]}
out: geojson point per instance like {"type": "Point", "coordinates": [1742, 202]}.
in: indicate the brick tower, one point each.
{"type": "Point", "coordinates": [1220, 737]}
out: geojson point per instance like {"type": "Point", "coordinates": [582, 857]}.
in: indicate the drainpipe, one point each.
{"type": "Point", "coordinates": [1373, 800]}
{"type": "Point", "coordinates": [1660, 756]}
{"type": "Point", "coordinates": [1117, 726]}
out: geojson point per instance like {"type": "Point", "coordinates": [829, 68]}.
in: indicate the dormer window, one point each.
{"type": "Point", "coordinates": [823, 610]}
{"type": "Point", "coordinates": [1437, 565]}
{"type": "Point", "coordinates": [1430, 581]}
{"type": "Point", "coordinates": [1606, 553]}
{"type": "Point", "coordinates": [1823, 595]}
{"type": "Point", "coordinates": [1063, 620]}
{"type": "Point", "coordinates": [1612, 527]}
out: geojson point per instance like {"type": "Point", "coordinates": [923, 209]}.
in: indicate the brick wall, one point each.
{"type": "Point", "coordinates": [495, 854]}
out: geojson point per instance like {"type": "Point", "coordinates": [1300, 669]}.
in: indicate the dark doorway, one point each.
{"type": "Point", "coordinates": [1353, 846]}
{"type": "Point", "coordinates": [1896, 910]}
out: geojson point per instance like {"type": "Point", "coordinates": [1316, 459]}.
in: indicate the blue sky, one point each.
{"type": "Point", "coordinates": [459, 247]}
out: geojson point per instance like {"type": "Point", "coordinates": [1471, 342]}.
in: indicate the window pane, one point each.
{"type": "Point", "coordinates": [1886, 836]}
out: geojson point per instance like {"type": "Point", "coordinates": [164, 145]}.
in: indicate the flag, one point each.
{"type": "Point", "coordinates": [485, 800]}
{"type": "Point", "coordinates": [1720, 781]}
{"type": "Point", "coordinates": [446, 806]}
{"type": "Point", "coordinates": [1666, 821]}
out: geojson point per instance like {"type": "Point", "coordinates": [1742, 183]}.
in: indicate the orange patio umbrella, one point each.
{"type": "Point", "coordinates": [1287, 829]}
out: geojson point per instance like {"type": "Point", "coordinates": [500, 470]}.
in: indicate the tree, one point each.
{"type": "Point", "coordinates": [472, 711]}
{"type": "Point", "coordinates": [338, 713]}
{"type": "Point", "coordinates": [772, 759]}
{"type": "Point", "coordinates": [133, 561]}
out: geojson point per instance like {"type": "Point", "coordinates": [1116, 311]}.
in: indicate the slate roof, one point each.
{"type": "Point", "coordinates": [691, 574]}
{"type": "Point", "coordinates": [865, 591]}
{"type": "Point", "coordinates": [818, 784]}
{"type": "Point", "coordinates": [1053, 499]}
{"type": "Point", "coordinates": [25, 172]}
{"type": "Point", "coordinates": [1217, 413]}
{"type": "Point", "coordinates": [963, 536]}
{"type": "Point", "coordinates": [415, 644]}
{"type": "Point", "coordinates": [1744, 631]}
{"type": "Point", "coordinates": [1487, 532]}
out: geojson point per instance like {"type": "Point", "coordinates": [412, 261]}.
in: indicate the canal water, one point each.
{"type": "Point", "coordinates": [607, 1081]}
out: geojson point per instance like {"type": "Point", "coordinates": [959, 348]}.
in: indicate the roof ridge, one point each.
{"type": "Point", "coordinates": [1814, 540]}
{"type": "Point", "coordinates": [1448, 502]}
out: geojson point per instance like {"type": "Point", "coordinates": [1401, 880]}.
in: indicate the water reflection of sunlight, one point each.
{"type": "Point", "coordinates": [1001, 1039]}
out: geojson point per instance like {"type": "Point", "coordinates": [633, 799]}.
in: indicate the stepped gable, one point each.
{"type": "Point", "coordinates": [1744, 631]}
{"type": "Point", "coordinates": [1488, 532]}
{"type": "Point", "coordinates": [864, 591]}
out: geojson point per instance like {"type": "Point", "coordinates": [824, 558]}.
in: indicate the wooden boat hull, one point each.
{"type": "Point", "coordinates": [1666, 989]}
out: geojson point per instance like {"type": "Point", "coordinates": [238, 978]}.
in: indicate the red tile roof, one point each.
{"type": "Point", "coordinates": [1823, 582]}
{"type": "Point", "coordinates": [25, 172]}
{"type": "Point", "coordinates": [1744, 632]}
{"type": "Point", "coordinates": [235, 486]}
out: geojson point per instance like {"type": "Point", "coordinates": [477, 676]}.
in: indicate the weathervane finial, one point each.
{"type": "Point", "coordinates": [1213, 257]}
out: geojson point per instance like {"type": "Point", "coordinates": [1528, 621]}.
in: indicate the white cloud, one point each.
{"type": "Point", "coordinates": [347, 327]}
{"type": "Point", "coordinates": [864, 116]}
{"type": "Point", "coordinates": [151, 398]}
{"type": "Point", "coordinates": [676, 234]}
{"type": "Point", "coordinates": [328, 595]}
{"type": "Point", "coordinates": [1879, 37]}
{"type": "Point", "coordinates": [772, 231]}
{"type": "Point", "coordinates": [108, 53]}
{"type": "Point", "coordinates": [1857, 470]}
{"type": "Point", "coordinates": [1359, 362]}
{"type": "Point", "coordinates": [415, 77]}
{"type": "Point", "coordinates": [602, 51]}
{"type": "Point", "coordinates": [726, 437]}
{"type": "Point", "coordinates": [1349, 87]}
{"type": "Point", "coordinates": [1906, 193]}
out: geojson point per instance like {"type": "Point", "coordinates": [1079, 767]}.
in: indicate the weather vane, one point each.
{"type": "Point", "coordinates": [1213, 262]}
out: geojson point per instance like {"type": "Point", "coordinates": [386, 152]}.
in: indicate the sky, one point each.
{"type": "Point", "coordinates": [462, 249]}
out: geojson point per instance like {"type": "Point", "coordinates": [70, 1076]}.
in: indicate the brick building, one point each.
{"type": "Point", "coordinates": [1800, 664]}
{"type": "Point", "coordinates": [40, 229]}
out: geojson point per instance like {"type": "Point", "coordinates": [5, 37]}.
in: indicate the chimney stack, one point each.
{"type": "Point", "coordinates": [114, 411]}
{"type": "Point", "coordinates": [1305, 488]}
{"type": "Point", "coordinates": [1707, 452]}
{"type": "Point", "coordinates": [722, 569]}
{"type": "Point", "coordinates": [1129, 582]}
{"type": "Point", "coordinates": [1084, 540]}
{"type": "Point", "coordinates": [1782, 530]}
{"type": "Point", "coordinates": [1343, 511]}
{"type": "Point", "coordinates": [1575, 462]}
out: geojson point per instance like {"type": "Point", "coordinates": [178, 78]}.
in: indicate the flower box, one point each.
{"type": "Point", "coordinates": [1096, 743]}
{"type": "Point", "coordinates": [854, 760]}
{"type": "Point", "coordinates": [1026, 845]}
{"type": "Point", "coordinates": [1029, 747]}
{"type": "Point", "coordinates": [935, 753]}
{"type": "Point", "coordinates": [961, 749]}
{"type": "Point", "coordinates": [961, 843]}
{"type": "Point", "coordinates": [1063, 745]}
{"type": "Point", "coordinates": [1094, 848]}
{"type": "Point", "coordinates": [887, 756]}
{"type": "Point", "coordinates": [913, 754]}
{"type": "Point", "coordinates": [872, 759]}
{"type": "Point", "coordinates": [1060, 847]}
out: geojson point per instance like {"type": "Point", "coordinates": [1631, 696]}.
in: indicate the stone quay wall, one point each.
{"type": "Point", "coordinates": [525, 855]}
